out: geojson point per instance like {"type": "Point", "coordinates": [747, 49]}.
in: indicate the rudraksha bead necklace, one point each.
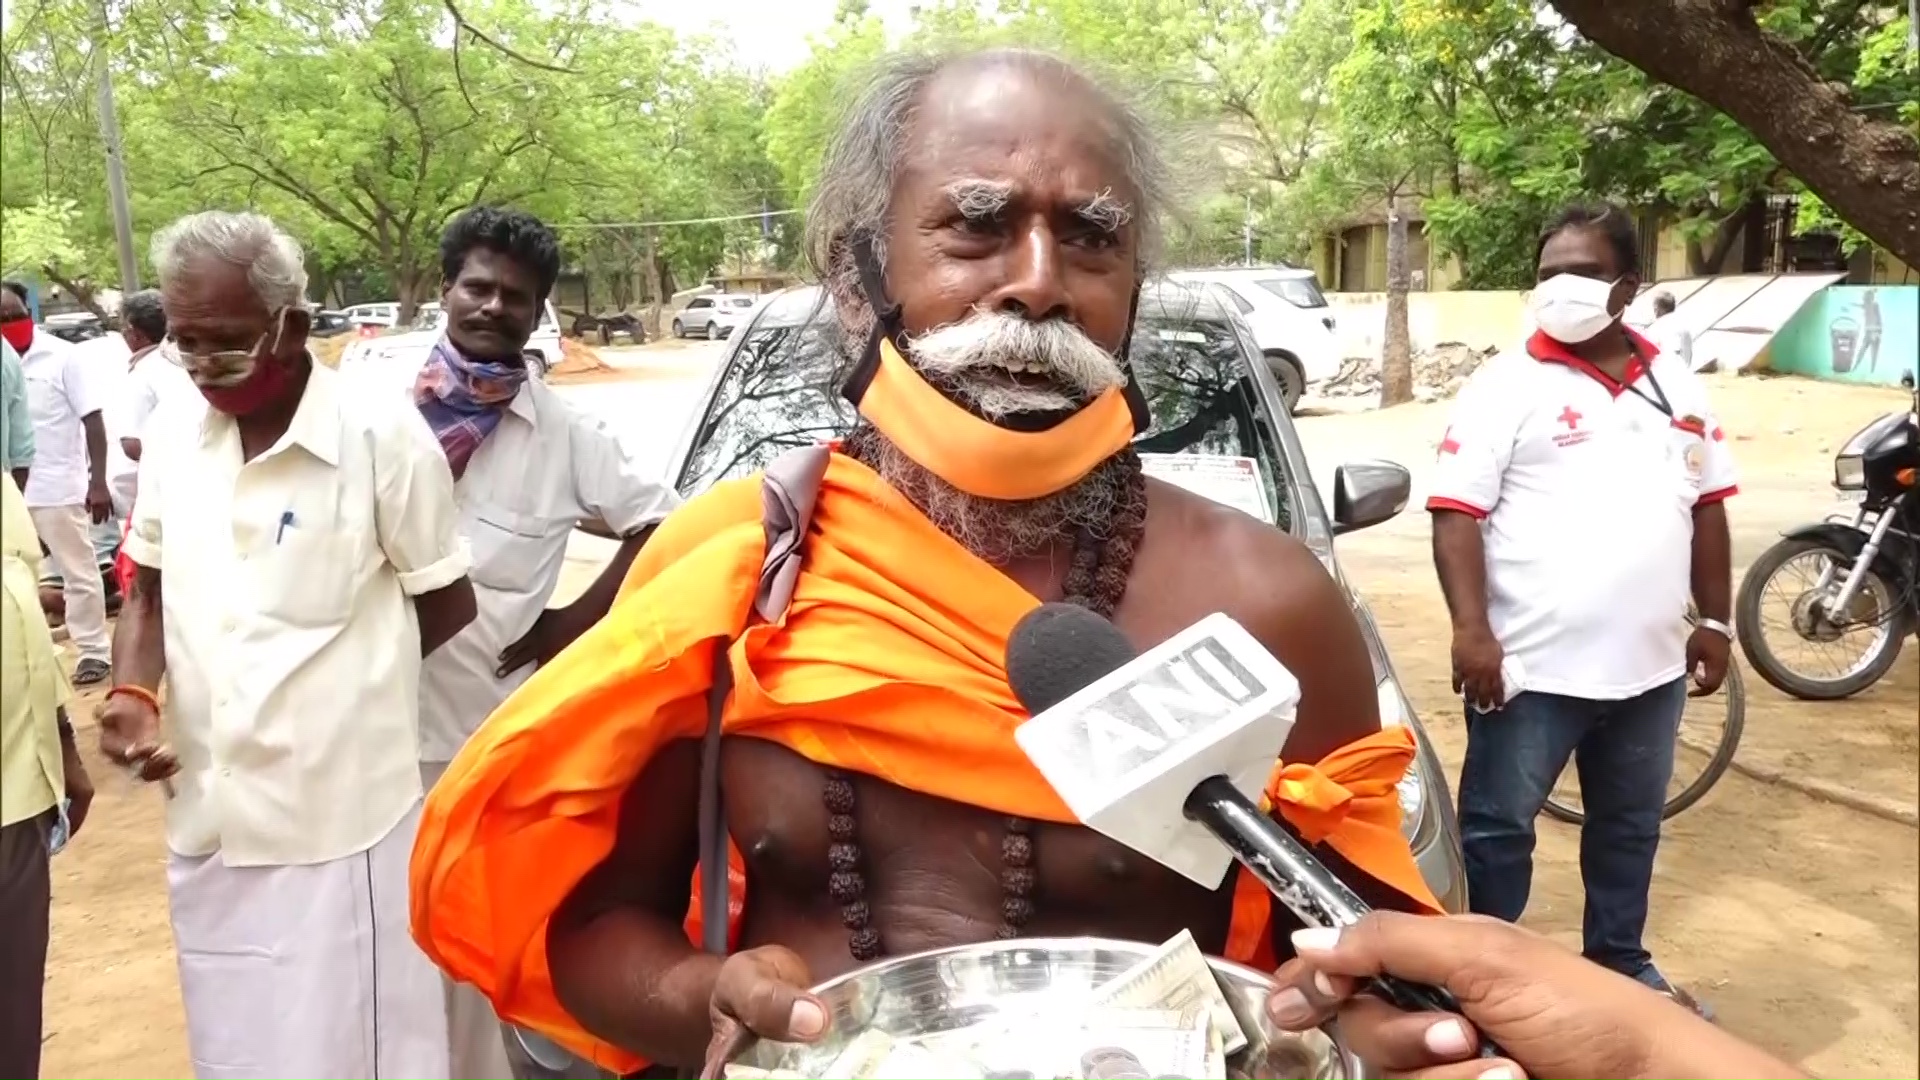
{"type": "Point", "coordinates": [1096, 579]}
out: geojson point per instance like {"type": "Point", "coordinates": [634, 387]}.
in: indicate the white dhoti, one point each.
{"type": "Point", "coordinates": [307, 971]}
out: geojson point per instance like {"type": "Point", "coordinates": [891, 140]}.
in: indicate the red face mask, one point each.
{"type": "Point", "coordinates": [18, 333]}
{"type": "Point", "coordinates": [267, 378]}
{"type": "Point", "coordinates": [262, 386]}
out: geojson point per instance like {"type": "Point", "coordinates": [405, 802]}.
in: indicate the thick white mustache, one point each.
{"type": "Point", "coordinates": [962, 355]}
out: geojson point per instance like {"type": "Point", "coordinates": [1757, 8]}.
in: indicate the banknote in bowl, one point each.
{"type": "Point", "coordinates": [1046, 1008]}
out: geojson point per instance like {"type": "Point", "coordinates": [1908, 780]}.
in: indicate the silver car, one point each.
{"type": "Point", "coordinates": [1211, 399]}
{"type": "Point", "coordinates": [713, 316]}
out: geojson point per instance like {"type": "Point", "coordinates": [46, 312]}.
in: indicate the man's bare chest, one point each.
{"type": "Point", "coordinates": [915, 846]}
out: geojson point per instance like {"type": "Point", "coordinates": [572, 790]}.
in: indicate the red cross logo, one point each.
{"type": "Point", "coordinates": [1570, 418]}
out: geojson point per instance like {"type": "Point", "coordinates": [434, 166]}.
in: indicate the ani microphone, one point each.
{"type": "Point", "coordinates": [1165, 752]}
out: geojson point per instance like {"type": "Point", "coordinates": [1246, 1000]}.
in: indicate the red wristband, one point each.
{"type": "Point", "coordinates": [139, 692]}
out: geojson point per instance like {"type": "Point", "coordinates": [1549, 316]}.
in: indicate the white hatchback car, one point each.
{"type": "Point", "coordinates": [382, 314]}
{"type": "Point", "coordinates": [714, 315]}
{"type": "Point", "coordinates": [1290, 319]}
{"type": "Point", "coordinates": [400, 356]}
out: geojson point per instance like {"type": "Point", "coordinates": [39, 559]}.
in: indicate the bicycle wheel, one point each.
{"type": "Point", "coordinates": [1709, 734]}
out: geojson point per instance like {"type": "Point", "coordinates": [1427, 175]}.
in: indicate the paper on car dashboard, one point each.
{"type": "Point", "coordinates": [1230, 481]}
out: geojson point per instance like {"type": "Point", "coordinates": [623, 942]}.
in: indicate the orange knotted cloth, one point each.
{"type": "Point", "coordinates": [889, 661]}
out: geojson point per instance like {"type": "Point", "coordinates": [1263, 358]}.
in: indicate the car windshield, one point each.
{"type": "Point", "coordinates": [781, 390]}
{"type": "Point", "coordinates": [1298, 291]}
{"type": "Point", "coordinates": [741, 302]}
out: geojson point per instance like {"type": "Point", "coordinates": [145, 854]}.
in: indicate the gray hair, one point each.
{"type": "Point", "coordinates": [275, 265]}
{"type": "Point", "coordinates": [144, 312]}
{"type": "Point", "coordinates": [855, 188]}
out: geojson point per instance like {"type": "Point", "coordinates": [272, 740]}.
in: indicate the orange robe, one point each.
{"type": "Point", "coordinates": [890, 661]}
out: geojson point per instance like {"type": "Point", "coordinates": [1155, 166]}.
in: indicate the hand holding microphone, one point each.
{"type": "Point", "coordinates": [1162, 752]}
{"type": "Point", "coordinates": [1554, 1012]}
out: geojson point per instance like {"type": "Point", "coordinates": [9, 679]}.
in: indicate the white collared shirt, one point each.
{"type": "Point", "coordinates": [293, 649]}
{"type": "Point", "coordinates": [544, 468]}
{"type": "Point", "coordinates": [106, 360]}
{"type": "Point", "coordinates": [62, 390]}
{"type": "Point", "coordinates": [1585, 491]}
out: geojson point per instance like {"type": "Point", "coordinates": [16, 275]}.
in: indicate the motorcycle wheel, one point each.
{"type": "Point", "coordinates": [1752, 634]}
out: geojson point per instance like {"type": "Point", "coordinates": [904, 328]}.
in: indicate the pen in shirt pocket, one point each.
{"type": "Point", "coordinates": [286, 522]}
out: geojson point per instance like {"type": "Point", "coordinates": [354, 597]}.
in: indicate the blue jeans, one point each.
{"type": "Point", "coordinates": [1624, 753]}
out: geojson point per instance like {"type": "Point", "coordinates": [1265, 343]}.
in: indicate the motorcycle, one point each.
{"type": "Point", "coordinates": [1859, 578]}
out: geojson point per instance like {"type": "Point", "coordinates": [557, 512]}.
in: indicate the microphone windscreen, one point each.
{"type": "Point", "coordinates": [1058, 650]}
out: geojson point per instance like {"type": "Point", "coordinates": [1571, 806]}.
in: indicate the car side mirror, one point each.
{"type": "Point", "coordinates": [1366, 493]}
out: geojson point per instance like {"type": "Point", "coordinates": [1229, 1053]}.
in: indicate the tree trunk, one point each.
{"type": "Point", "coordinates": [411, 286]}
{"type": "Point", "coordinates": [655, 287]}
{"type": "Point", "coordinates": [81, 291]}
{"type": "Point", "coordinates": [1702, 262]}
{"type": "Point", "coordinates": [1865, 168]}
{"type": "Point", "coordinates": [1396, 349]}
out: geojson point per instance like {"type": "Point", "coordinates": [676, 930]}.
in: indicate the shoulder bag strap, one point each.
{"type": "Point", "coordinates": [788, 490]}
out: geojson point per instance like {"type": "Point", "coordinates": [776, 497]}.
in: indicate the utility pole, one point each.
{"type": "Point", "coordinates": [116, 170]}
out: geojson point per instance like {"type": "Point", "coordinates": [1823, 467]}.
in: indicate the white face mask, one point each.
{"type": "Point", "coordinates": [1570, 308]}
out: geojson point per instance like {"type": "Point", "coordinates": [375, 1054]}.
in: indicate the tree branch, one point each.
{"type": "Point", "coordinates": [461, 24]}
{"type": "Point", "coordinates": [1866, 169]}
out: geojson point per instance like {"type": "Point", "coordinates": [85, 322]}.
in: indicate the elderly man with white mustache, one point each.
{"type": "Point", "coordinates": [984, 224]}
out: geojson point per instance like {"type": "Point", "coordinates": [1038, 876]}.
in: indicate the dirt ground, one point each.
{"type": "Point", "coordinates": [1795, 918]}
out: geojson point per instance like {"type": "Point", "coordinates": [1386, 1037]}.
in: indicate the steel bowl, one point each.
{"type": "Point", "coordinates": [944, 989]}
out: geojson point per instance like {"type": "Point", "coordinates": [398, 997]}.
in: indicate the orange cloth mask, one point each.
{"type": "Point", "coordinates": [979, 456]}
{"type": "Point", "coordinates": [889, 661]}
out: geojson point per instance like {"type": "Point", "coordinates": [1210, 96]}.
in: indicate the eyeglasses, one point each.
{"type": "Point", "coordinates": [219, 366]}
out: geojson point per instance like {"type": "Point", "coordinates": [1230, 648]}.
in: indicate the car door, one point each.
{"type": "Point", "coordinates": [699, 313]}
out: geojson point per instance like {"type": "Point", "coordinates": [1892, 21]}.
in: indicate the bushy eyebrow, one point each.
{"type": "Point", "coordinates": [1105, 212]}
{"type": "Point", "coordinates": [978, 199]}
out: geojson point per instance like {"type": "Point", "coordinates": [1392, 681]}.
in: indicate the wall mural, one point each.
{"type": "Point", "coordinates": [1859, 334]}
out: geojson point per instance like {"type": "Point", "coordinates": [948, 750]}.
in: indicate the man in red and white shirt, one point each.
{"type": "Point", "coordinates": [1579, 504]}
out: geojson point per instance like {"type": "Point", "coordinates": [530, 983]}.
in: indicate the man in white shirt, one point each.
{"type": "Point", "coordinates": [106, 360]}
{"type": "Point", "coordinates": [529, 467]}
{"type": "Point", "coordinates": [1579, 503]}
{"type": "Point", "coordinates": [298, 554]}
{"type": "Point", "coordinates": [67, 488]}
{"type": "Point", "coordinates": [128, 380]}
{"type": "Point", "coordinates": [109, 360]}
{"type": "Point", "coordinates": [148, 384]}
{"type": "Point", "coordinates": [1667, 332]}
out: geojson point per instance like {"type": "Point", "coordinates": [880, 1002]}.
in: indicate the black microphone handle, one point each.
{"type": "Point", "coordinates": [1304, 884]}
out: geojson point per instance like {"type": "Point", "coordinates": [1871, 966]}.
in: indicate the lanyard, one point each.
{"type": "Point", "coordinates": [1662, 404]}
{"type": "Point", "coordinates": [1646, 371]}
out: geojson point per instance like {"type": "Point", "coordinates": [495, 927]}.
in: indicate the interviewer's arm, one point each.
{"type": "Point", "coordinates": [1694, 1047]}
{"type": "Point", "coordinates": [1551, 1011]}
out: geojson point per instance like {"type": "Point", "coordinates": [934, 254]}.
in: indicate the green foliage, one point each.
{"type": "Point", "coordinates": [808, 102]}
{"type": "Point", "coordinates": [38, 239]}
{"type": "Point", "coordinates": [364, 124]}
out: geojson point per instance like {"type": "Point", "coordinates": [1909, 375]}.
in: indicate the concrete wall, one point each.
{"type": "Point", "coordinates": [1479, 319]}
{"type": "Point", "coordinates": [1852, 333]}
